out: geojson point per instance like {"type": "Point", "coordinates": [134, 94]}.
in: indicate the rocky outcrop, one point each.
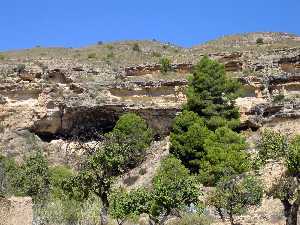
{"type": "Point", "coordinates": [16, 211]}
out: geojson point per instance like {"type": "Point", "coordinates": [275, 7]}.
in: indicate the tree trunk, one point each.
{"type": "Point", "coordinates": [221, 214]}
{"type": "Point", "coordinates": [103, 213]}
{"type": "Point", "coordinates": [231, 219]}
{"type": "Point", "coordinates": [291, 219]}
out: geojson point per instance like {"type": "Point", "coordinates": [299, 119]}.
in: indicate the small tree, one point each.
{"type": "Point", "coordinates": [287, 189]}
{"type": "Point", "coordinates": [165, 64]}
{"type": "Point", "coordinates": [125, 205]}
{"type": "Point", "coordinates": [136, 47]}
{"type": "Point", "coordinates": [224, 156]}
{"type": "Point", "coordinates": [211, 94]}
{"type": "Point", "coordinates": [272, 145]}
{"type": "Point", "coordinates": [123, 149]}
{"type": "Point", "coordinates": [259, 41]}
{"type": "Point", "coordinates": [234, 196]}
{"type": "Point", "coordinates": [174, 189]}
{"type": "Point", "coordinates": [34, 178]}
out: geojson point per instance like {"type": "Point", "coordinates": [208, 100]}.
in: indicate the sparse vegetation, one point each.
{"type": "Point", "coordinates": [165, 64]}
{"type": "Point", "coordinates": [136, 47]}
{"type": "Point", "coordinates": [259, 41]}
{"type": "Point", "coordinates": [233, 196]}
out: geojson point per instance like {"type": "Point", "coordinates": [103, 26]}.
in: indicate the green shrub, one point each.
{"type": "Point", "coordinates": [173, 188]}
{"type": "Point", "coordinates": [259, 41]}
{"type": "Point", "coordinates": [2, 57]}
{"type": "Point", "coordinates": [236, 195]}
{"type": "Point", "coordinates": [272, 145]}
{"type": "Point", "coordinates": [156, 54]}
{"type": "Point", "coordinates": [57, 176]}
{"type": "Point", "coordinates": [165, 64]}
{"type": "Point", "coordinates": [136, 47]}
{"type": "Point", "coordinates": [278, 98]}
{"type": "Point", "coordinates": [293, 157]}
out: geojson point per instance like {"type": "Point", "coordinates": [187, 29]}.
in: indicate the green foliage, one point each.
{"type": "Point", "coordinates": [187, 139]}
{"type": "Point", "coordinates": [165, 64]}
{"type": "Point", "coordinates": [57, 176]}
{"type": "Point", "coordinates": [235, 196]}
{"type": "Point", "coordinates": [278, 98]}
{"type": "Point", "coordinates": [34, 178]}
{"type": "Point", "coordinates": [20, 68]}
{"type": "Point", "coordinates": [124, 205]}
{"type": "Point", "coordinates": [272, 145]}
{"type": "Point", "coordinates": [259, 41]}
{"type": "Point", "coordinates": [136, 47]}
{"type": "Point", "coordinates": [8, 171]}
{"type": "Point", "coordinates": [2, 57]}
{"type": "Point", "coordinates": [124, 148]}
{"type": "Point", "coordinates": [225, 156]}
{"type": "Point", "coordinates": [293, 157]}
{"type": "Point", "coordinates": [174, 188]}
{"type": "Point", "coordinates": [211, 94]}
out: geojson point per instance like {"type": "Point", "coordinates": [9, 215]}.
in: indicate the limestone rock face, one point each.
{"type": "Point", "coordinates": [16, 211]}
{"type": "Point", "coordinates": [55, 98]}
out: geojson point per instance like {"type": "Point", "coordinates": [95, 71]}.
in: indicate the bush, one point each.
{"type": "Point", "coordinates": [20, 68]}
{"type": "Point", "coordinates": [34, 177]}
{"type": "Point", "coordinates": [272, 145]}
{"type": "Point", "coordinates": [165, 65]}
{"type": "Point", "coordinates": [57, 176]}
{"type": "Point", "coordinates": [236, 195]}
{"type": "Point", "coordinates": [293, 157]}
{"type": "Point", "coordinates": [259, 41]}
{"type": "Point", "coordinates": [174, 188]}
{"type": "Point", "coordinates": [136, 47]}
{"type": "Point", "coordinates": [129, 205]}
{"type": "Point", "coordinates": [2, 57]}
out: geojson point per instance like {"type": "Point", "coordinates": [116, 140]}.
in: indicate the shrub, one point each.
{"type": "Point", "coordinates": [278, 98]}
{"type": "Point", "coordinates": [259, 41]}
{"type": "Point", "coordinates": [20, 68]}
{"type": "Point", "coordinates": [136, 47]}
{"type": "Point", "coordinates": [156, 54]}
{"type": "Point", "coordinates": [272, 145]}
{"type": "Point", "coordinates": [293, 157]}
{"type": "Point", "coordinates": [2, 57]}
{"type": "Point", "coordinates": [128, 205]}
{"type": "Point", "coordinates": [34, 178]}
{"type": "Point", "coordinates": [165, 64]}
{"type": "Point", "coordinates": [174, 188]}
{"type": "Point", "coordinates": [236, 195]}
{"type": "Point", "coordinates": [92, 55]}
{"type": "Point", "coordinates": [57, 176]}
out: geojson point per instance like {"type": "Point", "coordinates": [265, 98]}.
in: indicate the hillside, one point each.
{"type": "Point", "coordinates": [51, 96]}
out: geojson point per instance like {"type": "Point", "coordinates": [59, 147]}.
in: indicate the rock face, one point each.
{"type": "Point", "coordinates": [16, 211]}
{"type": "Point", "coordinates": [60, 97]}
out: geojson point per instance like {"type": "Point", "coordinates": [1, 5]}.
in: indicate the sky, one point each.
{"type": "Point", "coordinates": [76, 23]}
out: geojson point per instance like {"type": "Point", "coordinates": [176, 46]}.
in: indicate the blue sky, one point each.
{"type": "Point", "coordinates": [75, 23]}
